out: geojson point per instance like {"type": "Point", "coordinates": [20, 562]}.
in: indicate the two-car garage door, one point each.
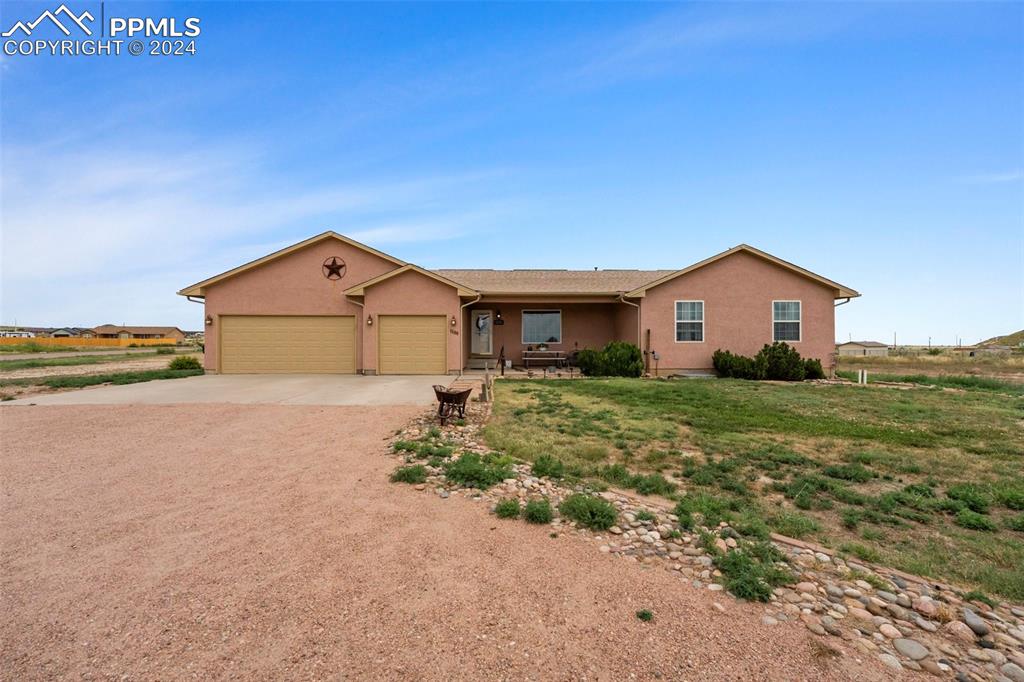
{"type": "Point", "coordinates": [326, 344]}
{"type": "Point", "coordinates": [287, 344]}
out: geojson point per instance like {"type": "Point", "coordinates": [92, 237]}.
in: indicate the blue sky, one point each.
{"type": "Point", "coordinates": [879, 144]}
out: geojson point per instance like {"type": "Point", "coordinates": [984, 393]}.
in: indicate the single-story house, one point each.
{"type": "Point", "coordinates": [332, 305]}
{"type": "Point", "coordinates": [71, 332]}
{"type": "Point", "coordinates": [869, 348]}
{"type": "Point", "coordinates": [114, 331]}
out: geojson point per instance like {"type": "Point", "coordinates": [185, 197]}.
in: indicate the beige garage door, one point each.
{"type": "Point", "coordinates": [286, 344]}
{"type": "Point", "coordinates": [413, 344]}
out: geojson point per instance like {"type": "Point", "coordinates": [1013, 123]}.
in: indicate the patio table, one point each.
{"type": "Point", "coordinates": [556, 357]}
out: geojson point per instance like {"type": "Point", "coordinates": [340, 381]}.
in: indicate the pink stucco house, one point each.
{"type": "Point", "coordinates": [331, 304]}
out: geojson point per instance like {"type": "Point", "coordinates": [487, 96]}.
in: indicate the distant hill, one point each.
{"type": "Point", "coordinates": [1014, 339]}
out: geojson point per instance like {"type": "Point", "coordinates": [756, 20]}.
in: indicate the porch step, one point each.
{"type": "Point", "coordinates": [482, 363]}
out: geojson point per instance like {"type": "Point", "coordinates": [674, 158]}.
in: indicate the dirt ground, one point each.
{"type": "Point", "coordinates": [265, 542]}
{"type": "Point", "coordinates": [129, 364]}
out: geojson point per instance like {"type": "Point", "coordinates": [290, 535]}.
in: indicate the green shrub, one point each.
{"type": "Point", "coordinates": [733, 366]}
{"type": "Point", "coordinates": [546, 465]}
{"type": "Point", "coordinates": [589, 511]}
{"type": "Point", "coordinates": [750, 524]}
{"type": "Point", "coordinates": [1016, 523]}
{"type": "Point", "coordinates": [644, 515]}
{"type": "Point", "coordinates": [970, 495]}
{"type": "Point", "coordinates": [813, 369]}
{"type": "Point", "coordinates": [507, 508]}
{"type": "Point", "coordinates": [165, 351]}
{"type": "Point", "coordinates": [617, 359]}
{"type": "Point", "coordinates": [538, 511]}
{"type": "Point", "coordinates": [749, 573]}
{"type": "Point", "coordinates": [850, 517]}
{"type": "Point", "coordinates": [473, 471]}
{"type": "Point", "coordinates": [779, 361]}
{"type": "Point", "coordinates": [404, 446]}
{"type": "Point", "coordinates": [645, 615]}
{"type": "Point", "coordinates": [410, 474]}
{"type": "Point", "coordinates": [185, 362]}
{"type": "Point", "coordinates": [1011, 498]}
{"type": "Point", "coordinates": [973, 520]}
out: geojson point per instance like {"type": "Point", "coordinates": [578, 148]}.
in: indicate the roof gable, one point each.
{"type": "Point", "coordinates": [840, 290]}
{"type": "Point", "coordinates": [199, 288]}
{"type": "Point", "coordinates": [360, 289]}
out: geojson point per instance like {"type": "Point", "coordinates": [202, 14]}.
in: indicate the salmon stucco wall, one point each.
{"type": "Point", "coordinates": [292, 285]}
{"type": "Point", "coordinates": [737, 292]}
{"type": "Point", "coordinates": [411, 293]}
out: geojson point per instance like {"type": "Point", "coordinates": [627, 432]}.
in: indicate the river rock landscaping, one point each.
{"type": "Point", "coordinates": [907, 622]}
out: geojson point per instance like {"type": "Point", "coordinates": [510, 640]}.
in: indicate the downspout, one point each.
{"type": "Point", "coordinates": [359, 325]}
{"type": "Point", "coordinates": [462, 341]}
{"type": "Point", "coordinates": [622, 299]}
{"type": "Point", "coordinates": [194, 300]}
{"type": "Point", "coordinates": [835, 356]}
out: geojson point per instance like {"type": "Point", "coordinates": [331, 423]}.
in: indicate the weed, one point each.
{"type": "Point", "coordinates": [474, 471]}
{"type": "Point", "coordinates": [849, 472]}
{"type": "Point", "coordinates": [974, 521]}
{"type": "Point", "coordinates": [410, 474]}
{"type": "Point", "coordinates": [750, 572]}
{"type": "Point", "coordinates": [507, 508]}
{"type": "Point", "coordinates": [184, 362]}
{"type": "Point", "coordinates": [861, 552]}
{"type": "Point", "coordinates": [976, 595]}
{"type": "Point", "coordinates": [871, 579]}
{"type": "Point", "coordinates": [645, 615]}
{"type": "Point", "coordinates": [644, 515]}
{"type": "Point", "coordinates": [971, 495]}
{"type": "Point", "coordinates": [546, 465]}
{"type": "Point", "coordinates": [538, 511]}
{"type": "Point", "coordinates": [592, 512]}
{"type": "Point", "coordinates": [404, 446]}
{"type": "Point", "coordinates": [794, 524]}
{"type": "Point", "coordinates": [1016, 523]}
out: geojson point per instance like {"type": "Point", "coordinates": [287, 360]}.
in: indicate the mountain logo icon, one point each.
{"type": "Point", "coordinates": [77, 20]}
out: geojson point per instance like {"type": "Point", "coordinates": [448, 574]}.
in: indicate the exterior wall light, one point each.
{"type": "Point", "coordinates": [454, 321]}
{"type": "Point", "coordinates": [209, 320]}
{"type": "Point", "coordinates": [369, 320]}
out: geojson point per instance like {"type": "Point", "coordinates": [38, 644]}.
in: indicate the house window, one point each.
{"type": "Point", "coordinates": [689, 321]}
{"type": "Point", "coordinates": [542, 326]}
{"type": "Point", "coordinates": [785, 320]}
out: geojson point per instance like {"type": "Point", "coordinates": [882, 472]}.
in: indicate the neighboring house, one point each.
{"type": "Point", "coordinates": [331, 304]}
{"type": "Point", "coordinates": [113, 331]}
{"type": "Point", "coordinates": [869, 348]}
{"type": "Point", "coordinates": [16, 333]}
{"type": "Point", "coordinates": [69, 332]}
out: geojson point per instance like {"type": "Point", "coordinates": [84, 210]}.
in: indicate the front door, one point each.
{"type": "Point", "coordinates": [481, 323]}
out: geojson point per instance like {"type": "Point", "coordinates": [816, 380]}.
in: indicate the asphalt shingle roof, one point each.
{"type": "Point", "coordinates": [553, 281]}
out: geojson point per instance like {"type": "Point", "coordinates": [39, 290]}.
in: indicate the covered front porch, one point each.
{"type": "Point", "coordinates": [543, 331]}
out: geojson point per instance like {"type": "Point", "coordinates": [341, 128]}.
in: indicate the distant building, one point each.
{"type": "Point", "coordinates": [864, 348]}
{"type": "Point", "coordinates": [113, 331]}
{"type": "Point", "coordinates": [979, 351]}
{"type": "Point", "coordinates": [16, 333]}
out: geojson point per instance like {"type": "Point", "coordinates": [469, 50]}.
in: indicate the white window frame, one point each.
{"type": "Point", "coordinates": [799, 321]}
{"type": "Point", "coordinates": [703, 320]}
{"type": "Point", "coordinates": [522, 327]}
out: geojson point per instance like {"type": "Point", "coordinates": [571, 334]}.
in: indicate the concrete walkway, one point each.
{"type": "Point", "coordinates": [281, 389]}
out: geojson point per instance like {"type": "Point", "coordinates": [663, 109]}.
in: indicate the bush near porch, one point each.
{"type": "Point", "coordinates": [881, 474]}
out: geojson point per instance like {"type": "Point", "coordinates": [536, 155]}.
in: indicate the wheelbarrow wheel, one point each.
{"type": "Point", "coordinates": [444, 412]}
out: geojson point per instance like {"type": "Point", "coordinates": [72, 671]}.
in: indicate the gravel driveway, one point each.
{"type": "Point", "coordinates": [264, 541]}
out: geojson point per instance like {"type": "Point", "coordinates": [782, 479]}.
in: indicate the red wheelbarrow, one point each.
{"type": "Point", "coordinates": [450, 402]}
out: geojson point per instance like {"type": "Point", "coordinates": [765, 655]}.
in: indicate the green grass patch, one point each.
{"type": "Point", "coordinates": [750, 571]}
{"type": "Point", "coordinates": [837, 463]}
{"type": "Point", "coordinates": [34, 363]}
{"type": "Point", "coordinates": [97, 379]}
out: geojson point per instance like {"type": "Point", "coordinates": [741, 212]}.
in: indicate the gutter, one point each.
{"type": "Point", "coordinates": [193, 299]}
{"type": "Point", "coordinates": [845, 301]}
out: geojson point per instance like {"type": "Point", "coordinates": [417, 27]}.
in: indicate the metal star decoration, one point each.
{"type": "Point", "coordinates": [334, 268]}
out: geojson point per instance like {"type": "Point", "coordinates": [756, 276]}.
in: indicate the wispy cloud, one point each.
{"type": "Point", "coordinates": [143, 225]}
{"type": "Point", "coordinates": [993, 178]}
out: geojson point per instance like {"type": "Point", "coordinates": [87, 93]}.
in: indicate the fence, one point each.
{"type": "Point", "coordinates": [75, 341]}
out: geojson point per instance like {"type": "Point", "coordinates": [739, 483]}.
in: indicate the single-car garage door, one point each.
{"type": "Point", "coordinates": [413, 344]}
{"type": "Point", "coordinates": [287, 344]}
